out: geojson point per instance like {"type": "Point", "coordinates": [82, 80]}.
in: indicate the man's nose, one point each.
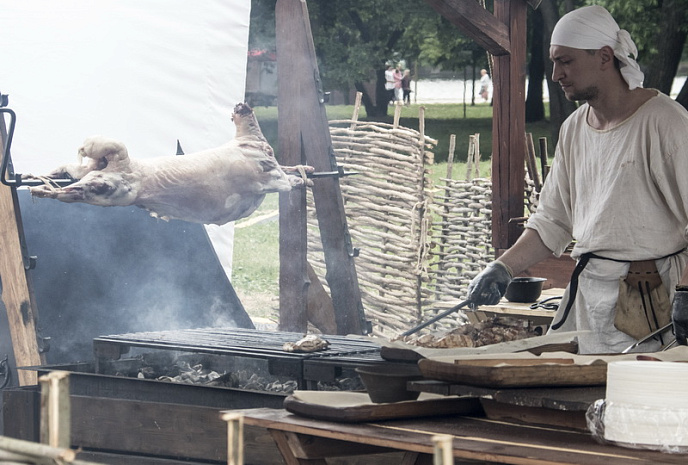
{"type": "Point", "coordinates": [556, 73]}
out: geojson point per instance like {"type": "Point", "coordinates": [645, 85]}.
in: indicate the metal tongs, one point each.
{"type": "Point", "coordinates": [436, 317]}
{"type": "Point", "coordinates": [650, 336]}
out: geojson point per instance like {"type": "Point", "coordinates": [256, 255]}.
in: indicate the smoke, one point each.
{"type": "Point", "coordinates": [116, 270]}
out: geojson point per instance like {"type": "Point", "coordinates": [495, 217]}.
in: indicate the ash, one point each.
{"type": "Point", "coordinates": [236, 373]}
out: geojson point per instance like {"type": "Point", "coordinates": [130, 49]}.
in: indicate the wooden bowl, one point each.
{"type": "Point", "coordinates": [387, 383]}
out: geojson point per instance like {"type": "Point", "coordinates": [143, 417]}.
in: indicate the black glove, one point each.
{"type": "Point", "coordinates": [491, 283]}
{"type": "Point", "coordinates": [679, 314]}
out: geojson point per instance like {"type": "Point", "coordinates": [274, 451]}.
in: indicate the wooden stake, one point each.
{"type": "Point", "coordinates": [397, 114]}
{"type": "Point", "coordinates": [357, 109]}
{"type": "Point", "coordinates": [476, 154]}
{"type": "Point", "coordinates": [55, 409]}
{"type": "Point", "coordinates": [531, 163]}
{"type": "Point", "coordinates": [450, 156]}
{"type": "Point", "coordinates": [235, 438]}
{"type": "Point", "coordinates": [469, 157]}
{"type": "Point", "coordinates": [444, 449]}
{"type": "Point", "coordinates": [544, 158]}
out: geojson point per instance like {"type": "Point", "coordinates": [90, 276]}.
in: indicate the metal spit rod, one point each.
{"type": "Point", "coordinates": [7, 175]}
{"type": "Point", "coordinates": [9, 178]}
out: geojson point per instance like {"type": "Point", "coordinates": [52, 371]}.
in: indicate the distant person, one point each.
{"type": "Point", "coordinates": [406, 86]}
{"type": "Point", "coordinates": [398, 92]}
{"type": "Point", "coordinates": [389, 83]}
{"type": "Point", "coordinates": [485, 82]}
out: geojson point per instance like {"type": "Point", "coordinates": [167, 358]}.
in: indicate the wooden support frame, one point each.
{"type": "Point", "coordinates": [15, 283]}
{"type": "Point", "coordinates": [304, 136]}
{"type": "Point", "coordinates": [508, 126]}
{"type": "Point", "coordinates": [503, 34]}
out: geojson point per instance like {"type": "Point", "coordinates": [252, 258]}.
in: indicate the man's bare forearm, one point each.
{"type": "Point", "coordinates": [527, 251]}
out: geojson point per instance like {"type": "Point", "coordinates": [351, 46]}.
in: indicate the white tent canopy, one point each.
{"type": "Point", "coordinates": [147, 72]}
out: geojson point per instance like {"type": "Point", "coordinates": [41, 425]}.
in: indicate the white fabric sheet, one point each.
{"type": "Point", "coordinates": [147, 72]}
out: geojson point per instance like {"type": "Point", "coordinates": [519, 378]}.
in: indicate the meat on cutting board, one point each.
{"type": "Point", "coordinates": [213, 186]}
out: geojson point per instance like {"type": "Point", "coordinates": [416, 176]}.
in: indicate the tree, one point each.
{"type": "Point", "coordinates": [354, 40]}
{"type": "Point", "coordinates": [535, 107]}
{"type": "Point", "coordinates": [660, 37]}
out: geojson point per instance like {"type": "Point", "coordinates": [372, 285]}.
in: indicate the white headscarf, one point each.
{"type": "Point", "coordinates": [591, 28]}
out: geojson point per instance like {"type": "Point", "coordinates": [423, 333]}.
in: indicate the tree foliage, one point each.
{"type": "Point", "coordinates": [354, 39]}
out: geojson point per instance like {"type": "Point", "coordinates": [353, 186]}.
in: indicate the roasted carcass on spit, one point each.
{"type": "Point", "coordinates": [214, 186]}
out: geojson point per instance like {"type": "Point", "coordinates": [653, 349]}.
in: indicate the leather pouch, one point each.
{"type": "Point", "coordinates": [643, 305]}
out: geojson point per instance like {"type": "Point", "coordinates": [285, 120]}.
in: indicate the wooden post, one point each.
{"type": "Point", "coordinates": [508, 126]}
{"type": "Point", "coordinates": [306, 135]}
{"type": "Point", "coordinates": [544, 158]}
{"type": "Point", "coordinates": [55, 409]}
{"type": "Point", "coordinates": [444, 449]}
{"type": "Point", "coordinates": [15, 284]}
{"type": "Point", "coordinates": [235, 438]}
{"type": "Point", "coordinates": [293, 277]}
{"type": "Point", "coordinates": [503, 35]}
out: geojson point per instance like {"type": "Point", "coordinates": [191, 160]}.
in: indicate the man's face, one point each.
{"type": "Point", "coordinates": [576, 72]}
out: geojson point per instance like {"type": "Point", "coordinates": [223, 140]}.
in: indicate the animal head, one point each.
{"type": "Point", "coordinates": [106, 152]}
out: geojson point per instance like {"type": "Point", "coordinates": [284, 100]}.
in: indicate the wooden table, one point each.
{"type": "Point", "coordinates": [303, 441]}
{"type": "Point", "coordinates": [519, 310]}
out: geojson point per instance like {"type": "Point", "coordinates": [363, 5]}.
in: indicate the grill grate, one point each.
{"type": "Point", "coordinates": [344, 352]}
{"type": "Point", "coordinates": [233, 341]}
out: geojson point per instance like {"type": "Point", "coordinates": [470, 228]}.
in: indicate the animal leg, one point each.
{"type": "Point", "coordinates": [96, 188]}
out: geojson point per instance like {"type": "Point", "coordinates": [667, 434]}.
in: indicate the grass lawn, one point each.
{"type": "Point", "coordinates": [255, 274]}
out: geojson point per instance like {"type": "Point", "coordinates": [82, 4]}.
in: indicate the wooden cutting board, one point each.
{"type": "Point", "coordinates": [516, 372]}
{"type": "Point", "coordinates": [351, 407]}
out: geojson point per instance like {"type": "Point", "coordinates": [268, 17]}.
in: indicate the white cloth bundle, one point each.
{"type": "Point", "coordinates": [591, 28]}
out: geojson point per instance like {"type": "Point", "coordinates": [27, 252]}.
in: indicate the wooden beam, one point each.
{"type": "Point", "coordinates": [21, 312]}
{"type": "Point", "coordinates": [508, 126]}
{"type": "Point", "coordinates": [476, 22]}
{"type": "Point", "coordinates": [305, 104]}
{"type": "Point", "coordinates": [293, 280]}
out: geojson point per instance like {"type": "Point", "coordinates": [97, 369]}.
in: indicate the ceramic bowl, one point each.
{"type": "Point", "coordinates": [387, 383]}
{"type": "Point", "coordinates": [524, 290]}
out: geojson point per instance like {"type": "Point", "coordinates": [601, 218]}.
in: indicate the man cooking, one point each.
{"type": "Point", "coordinates": [618, 188]}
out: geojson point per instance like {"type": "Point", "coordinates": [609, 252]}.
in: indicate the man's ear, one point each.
{"type": "Point", "coordinates": [607, 56]}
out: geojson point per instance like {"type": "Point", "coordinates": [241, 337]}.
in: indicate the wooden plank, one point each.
{"type": "Point", "coordinates": [534, 416]}
{"type": "Point", "coordinates": [512, 375]}
{"type": "Point", "coordinates": [508, 127]}
{"type": "Point", "coordinates": [366, 411]}
{"type": "Point", "coordinates": [316, 144]}
{"type": "Point", "coordinates": [161, 429]}
{"type": "Point", "coordinates": [477, 23]}
{"type": "Point", "coordinates": [293, 280]}
{"type": "Point", "coordinates": [16, 288]}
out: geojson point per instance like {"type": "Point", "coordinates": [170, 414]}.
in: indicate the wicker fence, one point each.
{"type": "Point", "coordinates": [418, 244]}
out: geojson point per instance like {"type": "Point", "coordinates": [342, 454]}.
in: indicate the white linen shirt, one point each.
{"type": "Point", "coordinates": [621, 193]}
